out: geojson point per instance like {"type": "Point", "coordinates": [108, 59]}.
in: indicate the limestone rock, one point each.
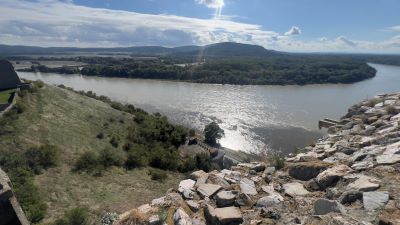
{"type": "Point", "coordinates": [248, 187]}
{"type": "Point", "coordinates": [330, 176]}
{"type": "Point", "coordinates": [208, 190]}
{"type": "Point", "coordinates": [193, 205]}
{"type": "Point", "coordinates": [225, 198]}
{"type": "Point", "coordinates": [325, 206]}
{"type": "Point", "coordinates": [375, 199]}
{"type": "Point", "coordinates": [181, 218]}
{"type": "Point", "coordinates": [244, 200]}
{"type": "Point", "coordinates": [349, 197]}
{"type": "Point", "coordinates": [363, 183]}
{"type": "Point", "coordinates": [186, 185]}
{"type": "Point", "coordinates": [267, 201]}
{"type": "Point", "coordinates": [307, 170]}
{"type": "Point", "coordinates": [388, 159]}
{"type": "Point", "coordinates": [198, 174]}
{"type": "Point", "coordinates": [229, 215]}
{"type": "Point", "coordinates": [295, 189]}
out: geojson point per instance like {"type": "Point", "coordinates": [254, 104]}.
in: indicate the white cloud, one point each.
{"type": "Point", "coordinates": [395, 28]}
{"type": "Point", "coordinates": [63, 23]}
{"type": "Point", "coordinates": [214, 4]}
{"type": "Point", "coordinates": [345, 41]}
{"type": "Point", "coordinates": [293, 31]}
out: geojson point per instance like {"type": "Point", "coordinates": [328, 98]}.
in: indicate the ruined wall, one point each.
{"type": "Point", "coordinates": [8, 77]}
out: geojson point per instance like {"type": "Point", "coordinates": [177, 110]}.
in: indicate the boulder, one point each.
{"type": "Point", "coordinates": [375, 199]}
{"type": "Point", "coordinates": [324, 206]}
{"type": "Point", "coordinates": [332, 175]}
{"type": "Point", "coordinates": [248, 187]}
{"type": "Point", "coordinates": [295, 189]}
{"type": "Point", "coordinates": [228, 215]}
{"type": "Point", "coordinates": [271, 192]}
{"type": "Point", "coordinates": [208, 190]}
{"type": "Point", "coordinates": [158, 202]}
{"type": "Point", "coordinates": [154, 220]}
{"type": "Point", "coordinates": [307, 170]}
{"type": "Point", "coordinates": [244, 200]}
{"type": "Point", "coordinates": [181, 218]}
{"type": "Point", "coordinates": [258, 167]}
{"type": "Point", "coordinates": [225, 198]}
{"type": "Point", "coordinates": [363, 165]}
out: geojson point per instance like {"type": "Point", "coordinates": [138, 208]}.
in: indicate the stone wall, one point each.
{"type": "Point", "coordinates": [10, 210]}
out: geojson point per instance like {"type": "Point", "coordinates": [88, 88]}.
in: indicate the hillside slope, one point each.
{"type": "Point", "coordinates": [70, 121]}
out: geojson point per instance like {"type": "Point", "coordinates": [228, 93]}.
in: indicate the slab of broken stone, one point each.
{"type": "Point", "coordinates": [307, 170]}
{"type": "Point", "coordinates": [218, 180]}
{"type": "Point", "coordinates": [324, 206]}
{"type": "Point", "coordinates": [269, 189]}
{"type": "Point", "coordinates": [186, 185]}
{"type": "Point", "coordinates": [388, 159]}
{"type": "Point", "coordinates": [193, 205]}
{"type": "Point", "coordinates": [181, 217]}
{"type": "Point", "coordinates": [208, 190]}
{"type": "Point", "coordinates": [228, 215]}
{"type": "Point", "coordinates": [248, 187]}
{"type": "Point", "coordinates": [331, 176]}
{"type": "Point", "coordinates": [295, 189]}
{"type": "Point", "coordinates": [198, 174]}
{"type": "Point", "coordinates": [362, 183]}
{"type": "Point", "coordinates": [375, 199]}
{"type": "Point", "coordinates": [225, 198]}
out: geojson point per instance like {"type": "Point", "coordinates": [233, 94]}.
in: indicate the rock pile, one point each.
{"type": "Point", "coordinates": [351, 176]}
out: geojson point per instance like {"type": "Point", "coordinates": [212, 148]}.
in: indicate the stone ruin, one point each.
{"type": "Point", "coordinates": [10, 211]}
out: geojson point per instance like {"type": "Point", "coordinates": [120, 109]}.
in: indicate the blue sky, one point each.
{"type": "Point", "coordinates": [287, 25]}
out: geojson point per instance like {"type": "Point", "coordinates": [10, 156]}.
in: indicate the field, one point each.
{"type": "Point", "coordinates": [71, 122]}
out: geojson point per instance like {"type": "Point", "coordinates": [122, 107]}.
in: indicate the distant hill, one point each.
{"type": "Point", "coordinates": [225, 49]}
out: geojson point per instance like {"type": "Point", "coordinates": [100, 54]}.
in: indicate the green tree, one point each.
{"type": "Point", "coordinates": [213, 133]}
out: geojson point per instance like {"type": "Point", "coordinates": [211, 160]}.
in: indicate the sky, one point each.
{"type": "Point", "coordinates": [359, 26]}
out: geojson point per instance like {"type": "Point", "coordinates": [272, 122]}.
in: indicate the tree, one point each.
{"type": "Point", "coordinates": [212, 133]}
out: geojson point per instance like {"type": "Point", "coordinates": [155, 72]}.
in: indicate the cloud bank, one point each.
{"type": "Point", "coordinates": [63, 23]}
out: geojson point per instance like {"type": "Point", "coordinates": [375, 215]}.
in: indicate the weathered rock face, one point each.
{"type": "Point", "coordinates": [351, 176]}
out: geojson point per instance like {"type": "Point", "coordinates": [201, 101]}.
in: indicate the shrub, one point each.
{"type": "Point", "coordinates": [109, 218]}
{"type": "Point", "coordinates": [192, 133]}
{"type": "Point", "coordinates": [100, 135]}
{"type": "Point", "coordinates": [188, 165]}
{"type": "Point", "coordinates": [38, 84]}
{"type": "Point", "coordinates": [203, 162]}
{"type": "Point", "coordinates": [373, 102]}
{"type": "Point", "coordinates": [19, 107]}
{"type": "Point", "coordinates": [158, 175]}
{"type": "Point", "coordinates": [42, 157]}
{"type": "Point", "coordinates": [277, 160]}
{"type": "Point", "coordinates": [391, 110]}
{"type": "Point", "coordinates": [87, 161]}
{"type": "Point", "coordinates": [212, 133]}
{"type": "Point", "coordinates": [77, 216]}
{"type": "Point", "coordinates": [111, 157]}
{"type": "Point", "coordinates": [166, 159]}
{"type": "Point", "coordinates": [135, 159]}
{"type": "Point", "coordinates": [114, 141]}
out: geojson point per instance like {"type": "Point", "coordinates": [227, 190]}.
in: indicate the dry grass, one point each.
{"type": "Point", "coordinates": [71, 122]}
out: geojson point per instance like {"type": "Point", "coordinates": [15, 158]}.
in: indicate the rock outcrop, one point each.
{"type": "Point", "coordinates": [351, 176]}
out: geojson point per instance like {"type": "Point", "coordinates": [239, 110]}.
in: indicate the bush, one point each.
{"type": "Point", "coordinates": [373, 102]}
{"type": "Point", "coordinates": [192, 133]}
{"type": "Point", "coordinates": [135, 159]}
{"type": "Point", "coordinates": [277, 160]}
{"type": "Point", "coordinates": [100, 135]}
{"type": "Point", "coordinates": [42, 157]}
{"type": "Point", "coordinates": [158, 175]}
{"type": "Point", "coordinates": [38, 84]}
{"type": "Point", "coordinates": [391, 110]}
{"type": "Point", "coordinates": [203, 162]}
{"type": "Point", "coordinates": [109, 218]}
{"type": "Point", "coordinates": [166, 159]}
{"type": "Point", "coordinates": [77, 216]}
{"type": "Point", "coordinates": [114, 141]}
{"type": "Point", "coordinates": [111, 157]}
{"type": "Point", "coordinates": [212, 133]}
{"type": "Point", "coordinates": [87, 161]}
{"type": "Point", "coordinates": [19, 107]}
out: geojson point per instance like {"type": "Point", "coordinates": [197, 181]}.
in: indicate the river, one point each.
{"type": "Point", "coordinates": [254, 118]}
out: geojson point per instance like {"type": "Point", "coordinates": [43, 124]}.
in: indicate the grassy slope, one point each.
{"type": "Point", "coordinates": [5, 96]}
{"type": "Point", "coordinates": [71, 122]}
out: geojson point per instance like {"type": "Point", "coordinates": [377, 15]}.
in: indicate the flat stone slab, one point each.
{"type": "Point", "coordinates": [363, 183]}
{"type": "Point", "coordinates": [248, 187]}
{"type": "Point", "coordinates": [330, 176]}
{"type": "Point", "coordinates": [388, 159]}
{"type": "Point", "coordinates": [375, 199]}
{"type": "Point", "coordinates": [186, 185]}
{"type": "Point", "coordinates": [267, 201]}
{"type": "Point", "coordinates": [271, 192]}
{"type": "Point", "coordinates": [208, 190]}
{"type": "Point", "coordinates": [324, 206]}
{"type": "Point", "coordinates": [295, 189]}
{"type": "Point", "coordinates": [225, 198]}
{"type": "Point", "coordinates": [228, 215]}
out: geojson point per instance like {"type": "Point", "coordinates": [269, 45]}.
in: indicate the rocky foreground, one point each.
{"type": "Point", "coordinates": [352, 176]}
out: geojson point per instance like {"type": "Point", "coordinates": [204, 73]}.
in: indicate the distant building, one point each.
{"type": "Point", "coordinates": [8, 77]}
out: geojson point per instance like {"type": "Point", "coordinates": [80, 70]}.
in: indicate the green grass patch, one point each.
{"type": "Point", "coordinates": [6, 95]}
